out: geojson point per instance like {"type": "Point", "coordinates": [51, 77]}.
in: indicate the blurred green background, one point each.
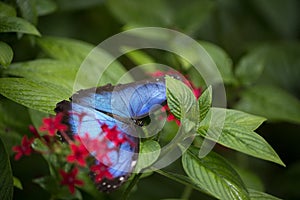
{"type": "Point", "coordinates": [251, 32]}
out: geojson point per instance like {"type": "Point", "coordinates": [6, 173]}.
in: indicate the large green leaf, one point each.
{"type": "Point", "coordinates": [237, 133]}
{"type": "Point", "coordinates": [52, 71]}
{"type": "Point", "coordinates": [65, 49]}
{"type": "Point", "coordinates": [37, 95]}
{"type": "Point", "coordinates": [92, 61]}
{"type": "Point", "coordinates": [214, 175]}
{"type": "Point", "coordinates": [16, 24]}
{"type": "Point", "coordinates": [6, 54]}
{"type": "Point", "coordinates": [271, 102]}
{"type": "Point", "coordinates": [6, 183]}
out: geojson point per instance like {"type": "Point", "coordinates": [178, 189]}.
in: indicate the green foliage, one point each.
{"type": "Point", "coordinates": [41, 64]}
{"type": "Point", "coordinates": [16, 24]}
{"type": "Point", "coordinates": [214, 175]}
{"type": "Point", "coordinates": [204, 102]}
{"type": "Point", "coordinates": [237, 133]}
{"type": "Point", "coordinates": [6, 54]}
{"type": "Point", "coordinates": [6, 184]}
{"type": "Point", "coordinates": [33, 94]}
{"type": "Point", "coordinates": [149, 152]}
{"type": "Point", "coordinates": [271, 102]}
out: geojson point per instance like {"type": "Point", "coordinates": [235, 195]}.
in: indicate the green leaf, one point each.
{"type": "Point", "coordinates": [214, 174]}
{"type": "Point", "coordinates": [45, 7]}
{"type": "Point", "coordinates": [6, 183]}
{"type": "Point", "coordinates": [222, 60]}
{"type": "Point", "coordinates": [271, 102]}
{"type": "Point", "coordinates": [65, 49]}
{"type": "Point", "coordinates": [37, 118]}
{"type": "Point", "coordinates": [251, 66]}
{"type": "Point", "coordinates": [275, 64]}
{"type": "Point", "coordinates": [56, 72]}
{"type": "Point", "coordinates": [92, 63]}
{"type": "Point", "coordinates": [28, 10]}
{"type": "Point", "coordinates": [15, 24]}
{"type": "Point", "coordinates": [149, 152]}
{"type": "Point", "coordinates": [181, 99]}
{"type": "Point", "coordinates": [185, 180]}
{"type": "Point", "coordinates": [6, 54]}
{"type": "Point", "coordinates": [204, 102]}
{"type": "Point", "coordinates": [257, 195]}
{"type": "Point", "coordinates": [237, 133]}
{"type": "Point", "coordinates": [17, 183]}
{"type": "Point", "coordinates": [33, 94]}
{"type": "Point", "coordinates": [7, 10]}
{"type": "Point", "coordinates": [236, 117]}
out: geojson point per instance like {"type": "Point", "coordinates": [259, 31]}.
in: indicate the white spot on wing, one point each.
{"type": "Point", "coordinates": [133, 163]}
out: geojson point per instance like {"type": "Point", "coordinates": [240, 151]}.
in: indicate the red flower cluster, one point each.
{"type": "Point", "coordinates": [80, 148]}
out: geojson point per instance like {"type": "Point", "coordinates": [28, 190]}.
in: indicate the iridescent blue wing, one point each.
{"type": "Point", "coordinates": [132, 100]}
{"type": "Point", "coordinates": [117, 160]}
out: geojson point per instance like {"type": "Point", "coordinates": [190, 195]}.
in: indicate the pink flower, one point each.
{"type": "Point", "coordinates": [53, 124]}
{"type": "Point", "coordinates": [23, 149]}
{"type": "Point", "coordinates": [69, 179]}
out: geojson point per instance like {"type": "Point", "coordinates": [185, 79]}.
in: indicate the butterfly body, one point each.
{"type": "Point", "coordinates": [106, 119]}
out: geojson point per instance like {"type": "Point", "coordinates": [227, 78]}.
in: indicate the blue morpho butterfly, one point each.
{"type": "Point", "coordinates": [123, 106]}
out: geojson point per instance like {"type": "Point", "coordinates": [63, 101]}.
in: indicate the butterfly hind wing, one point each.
{"type": "Point", "coordinates": [116, 161]}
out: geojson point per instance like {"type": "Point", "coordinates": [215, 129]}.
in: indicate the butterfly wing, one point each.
{"type": "Point", "coordinates": [114, 157]}
{"type": "Point", "coordinates": [132, 100]}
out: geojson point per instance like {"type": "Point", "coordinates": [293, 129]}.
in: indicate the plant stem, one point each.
{"type": "Point", "coordinates": [131, 185]}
